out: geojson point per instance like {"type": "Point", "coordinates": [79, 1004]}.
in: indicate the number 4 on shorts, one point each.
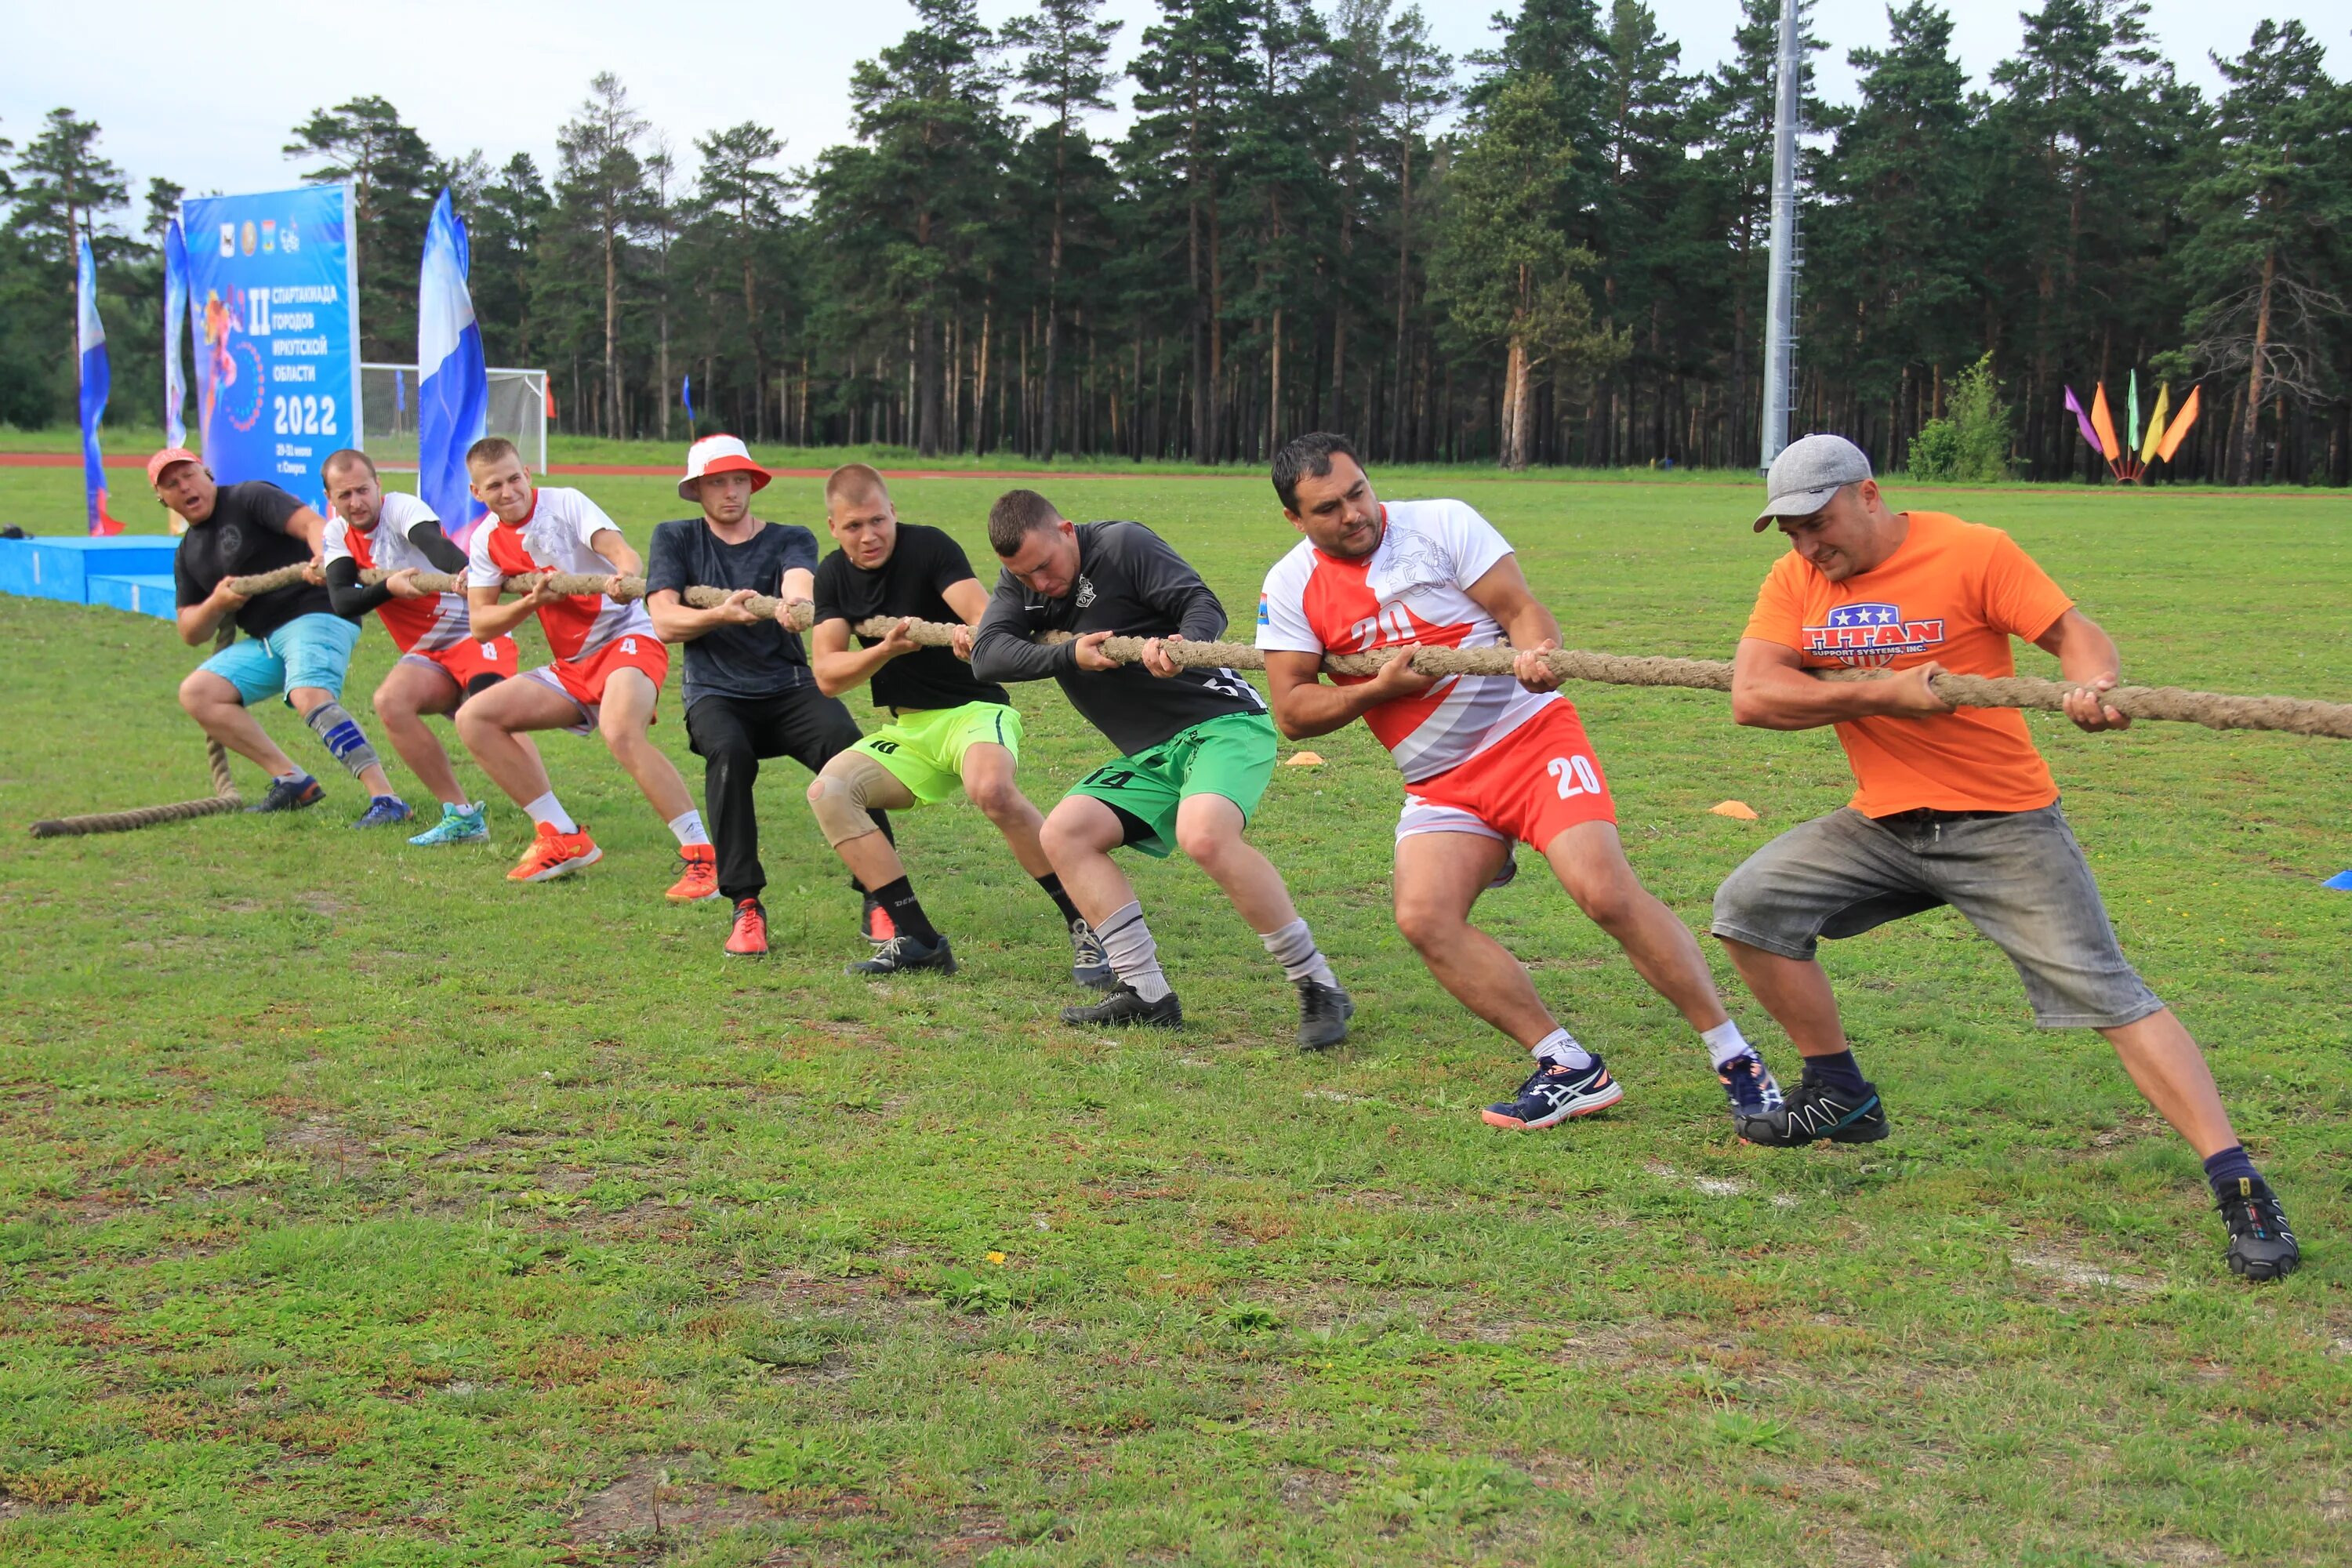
{"type": "Point", "coordinates": [1575, 776]}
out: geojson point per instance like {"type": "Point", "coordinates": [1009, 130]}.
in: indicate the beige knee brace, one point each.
{"type": "Point", "coordinates": [852, 784]}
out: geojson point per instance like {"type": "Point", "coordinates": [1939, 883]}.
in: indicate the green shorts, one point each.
{"type": "Point", "coordinates": [1232, 756]}
{"type": "Point", "coordinates": [924, 751]}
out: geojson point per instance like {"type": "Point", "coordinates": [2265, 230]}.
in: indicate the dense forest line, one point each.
{"type": "Point", "coordinates": [1551, 252]}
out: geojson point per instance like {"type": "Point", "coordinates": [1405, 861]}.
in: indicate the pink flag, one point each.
{"type": "Point", "coordinates": [2083, 421]}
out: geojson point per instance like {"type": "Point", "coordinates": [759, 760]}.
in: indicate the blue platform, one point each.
{"type": "Point", "coordinates": [142, 594]}
{"type": "Point", "coordinates": [61, 567]}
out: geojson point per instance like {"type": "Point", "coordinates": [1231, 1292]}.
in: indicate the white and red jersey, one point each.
{"type": "Point", "coordinates": [1410, 591]}
{"type": "Point", "coordinates": [554, 538]}
{"type": "Point", "coordinates": [417, 625]}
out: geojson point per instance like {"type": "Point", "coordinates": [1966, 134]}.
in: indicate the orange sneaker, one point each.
{"type": "Point", "coordinates": [750, 937]}
{"type": "Point", "coordinates": [879, 927]}
{"type": "Point", "coordinates": [553, 853]}
{"type": "Point", "coordinates": [701, 879]}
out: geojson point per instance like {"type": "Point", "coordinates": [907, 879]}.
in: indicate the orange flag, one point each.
{"type": "Point", "coordinates": [2105, 423]}
{"type": "Point", "coordinates": [2179, 430]}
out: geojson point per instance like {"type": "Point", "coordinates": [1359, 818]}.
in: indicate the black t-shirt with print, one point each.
{"type": "Point", "coordinates": [245, 535]}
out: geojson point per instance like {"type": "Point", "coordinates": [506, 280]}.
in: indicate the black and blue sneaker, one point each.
{"type": "Point", "coordinates": [906, 952]}
{"type": "Point", "coordinates": [1749, 1086]}
{"type": "Point", "coordinates": [290, 794]}
{"type": "Point", "coordinates": [1090, 966]}
{"type": "Point", "coordinates": [383, 811]}
{"type": "Point", "coordinates": [2261, 1245]}
{"type": "Point", "coordinates": [1323, 1015]}
{"type": "Point", "coordinates": [1811, 1113]}
{"type": "Point", "coordinates": [1124, 1007]}
{"type": "Point", "coordinates": [1554, 1093]}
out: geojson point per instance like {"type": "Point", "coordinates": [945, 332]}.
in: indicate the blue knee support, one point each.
{"type": "Point", "coordinates": [342, 737]}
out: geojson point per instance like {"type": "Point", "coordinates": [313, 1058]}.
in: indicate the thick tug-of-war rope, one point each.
{"type": "Point", "coordinates": [2214, 710]}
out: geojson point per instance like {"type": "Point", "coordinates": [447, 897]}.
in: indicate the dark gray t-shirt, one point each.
{"type": "Point", "coordinates": [746, 662]}
{"type": "Point", "coordinates": [245, 536]}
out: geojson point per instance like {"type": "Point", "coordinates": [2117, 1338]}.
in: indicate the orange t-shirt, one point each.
{"type": "Point", "coordinates": [1953, 593]}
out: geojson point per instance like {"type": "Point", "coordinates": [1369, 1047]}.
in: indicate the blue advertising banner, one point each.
{"type": "Point", "coordinates": [273, 306]}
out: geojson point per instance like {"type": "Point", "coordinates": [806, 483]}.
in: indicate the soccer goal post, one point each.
{"type": "Point", "coordinates": [388, 397]}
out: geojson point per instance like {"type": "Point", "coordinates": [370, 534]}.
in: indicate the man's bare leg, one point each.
{"type": "Point", "coordinates": [2163, 1059]}
{"type": "Point", "coordinates": [212, 700]}
{"type": "Point", "coordinates": [1590, 860]}
{"type": "Point", "coordinates": [625, 718]}
{"type": "Point", "coordinates": [493, 726]}
{"type": "Point", "coordinates": [408, 693]}
{"type": "Point", "coordinates": [1439, 877]}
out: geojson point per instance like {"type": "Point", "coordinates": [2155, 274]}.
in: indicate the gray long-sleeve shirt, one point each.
{"type": "Point", "coordinates": [1130, 582]}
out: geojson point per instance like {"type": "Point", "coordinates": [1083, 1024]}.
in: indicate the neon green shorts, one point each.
{"type": "Point", "coordinates": [1232, 756]}
{"type": "Point", "coordinates": [924, 751]}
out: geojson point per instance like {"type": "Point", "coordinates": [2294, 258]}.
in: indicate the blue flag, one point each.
{"type": "Point", "coordinates": [400, 392]}
{"type": "Point", "coordinates": [97, 381]}
{"type": "Point", "coordinates": [685, 395]}
{"type": "Point", "coordinates": [175, 316]}
{"type": "Point", "coordinates": [453, 385]}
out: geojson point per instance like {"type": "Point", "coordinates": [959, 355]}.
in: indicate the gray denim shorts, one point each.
{"type": "Point", "coordinates": [2018, 877]}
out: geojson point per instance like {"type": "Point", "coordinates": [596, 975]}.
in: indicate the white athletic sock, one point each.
{"type": "Point", "coordinates": [1560, 1047]}
{"type": "Point", "coordinates": [548, 810]}
{"type": "Point", "coordinates": [1134, 956]}
{"type": "Point", "coordinates": [1724, 1042]}
{"type": "Point", "coordinates": [688, 825]}
{"type": "Point", "coordinates": [1293, 948]}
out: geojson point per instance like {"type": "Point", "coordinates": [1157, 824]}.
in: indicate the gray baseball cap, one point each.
{"type": "Point", "coordinates": [1807, 473]}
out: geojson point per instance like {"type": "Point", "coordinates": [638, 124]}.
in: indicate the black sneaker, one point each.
{"type": "Point", "coordinates": [2261, 1245]}
{"type": "Point", "coordinates": [1323, 1015]}
{"type": "Point", "coordinates": [1811, 1113]}
{"type": "Point", "coordinates": [903, 952]}
{"type": "Point", "coordinates": [1124, 1007]}
{"type": "Point", "coordinates": [290, 794]}
{"type": "Point", "coordinates": [1555, 1092]}
{"type": "Point", "coordinates": [1090, 966]}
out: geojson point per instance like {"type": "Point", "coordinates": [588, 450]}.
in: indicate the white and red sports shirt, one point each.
{"type": "Point", "coordinates": [554, 538]}
{"type": "Point", "coordinates": [1410, 591]}
{"type": "Point", "coordinates": [417, 625]}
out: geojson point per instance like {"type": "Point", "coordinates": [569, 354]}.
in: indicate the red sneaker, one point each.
{"type": "Point", "coordinates": [553, 853]}
{"type": "Point", "coordinates": [701, 879]}
{"type": "Point", "coordinates": [750, 937]}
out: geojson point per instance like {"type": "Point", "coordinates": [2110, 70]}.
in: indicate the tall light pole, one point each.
{"type": "Point", "coordinates": [1780, 291]}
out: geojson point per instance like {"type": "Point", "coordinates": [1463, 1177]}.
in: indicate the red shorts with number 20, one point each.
{"type": "Point", "coordinates": [1537, 782]}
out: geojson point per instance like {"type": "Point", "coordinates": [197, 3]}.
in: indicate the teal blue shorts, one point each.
{"type": "Point", "coordinates": [309, 650]}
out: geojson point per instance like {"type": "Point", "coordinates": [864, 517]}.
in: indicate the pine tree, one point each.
{"type": "Point", "coordinates": [393, 178]}
{"type": "Point", "coordinates": [600, 196]}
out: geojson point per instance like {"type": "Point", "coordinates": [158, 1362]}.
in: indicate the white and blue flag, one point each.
{"type": "Point", "coordinates": [453, 385]}
{"type": "Point", "coordinates": [175, 316]}
{"type": "Point", "coordinates": [97, 381]}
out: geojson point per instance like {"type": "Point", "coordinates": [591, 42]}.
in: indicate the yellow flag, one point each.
{"type": "Point", "coordinates": [2155, 423]}
{"type": "Point", "coordinates": [2105, 423]}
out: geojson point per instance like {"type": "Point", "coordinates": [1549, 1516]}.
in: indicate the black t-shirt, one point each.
{"type": "Point", "coordinates": [923, 565]}
{"type": "Point", "coordinates": [245, 535]}
{"type": "Point", "coordinates": [748, 662]}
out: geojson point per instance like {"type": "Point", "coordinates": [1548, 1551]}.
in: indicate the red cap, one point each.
{"type": "Point", "coordinates": [719, 455]}
{"type": "Point", "coordinates": [166, 458]}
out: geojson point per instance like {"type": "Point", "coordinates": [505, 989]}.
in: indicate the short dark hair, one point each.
{"type": "Point", "coordinates": [336, 459]}
{"type": "Point", "coordinates": [489, 449]}
{"type": "Point", "coordinates": [1309, 456]}
{"type": "Point", "coordinates": [855, 480]}
{"type": "Point", "coordinates": [1015, 516]}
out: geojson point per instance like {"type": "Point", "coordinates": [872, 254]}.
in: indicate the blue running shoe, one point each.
{"type": "Point", "coordinates": [1555, 1092]}
{"type": "Point", "coordinates": [383, 811]}
{"type": "Point", "coordinates": [459, 825]}
{"type": "Point", "coordinates": [290, 794]}
{"type": "Point", "coordinates": [1815, 1113]}
{"type": "Point", "coordinates": [1749, 1084]}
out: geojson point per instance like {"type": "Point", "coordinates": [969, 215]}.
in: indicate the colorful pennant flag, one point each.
{"type": "Point", "coordinates": [685, 395]}
{"type": "Point", "coordinates": [2105, 423]}
{"type": "Point", "coordinates": [2082, 420]}
{"type": "Point", "coordinates": [175, 315]}
{"type": "Point", "coordinates": [97, 381]}
{"type": "Point", "coordinates": [2131, 413]}
{"type": "Point", "coordinates": [2179, 430]}
{"type": "Point", "coordinates": [2155, 423]}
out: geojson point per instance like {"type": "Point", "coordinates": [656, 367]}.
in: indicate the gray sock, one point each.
{"type": "Point", "coordinates": [1134, 956]}
{"type": "Point", "coordinates": [341, 736]}
{"type": "Point", "coordinates": [1293, 948]}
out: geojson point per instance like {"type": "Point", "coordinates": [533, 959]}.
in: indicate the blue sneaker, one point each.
{"type": "Point", "coordinates": [459, 825]}
{"type": "Point", "coordinates": [1555, 1092]}
{"type": "Point", "coordinates": [1749, 1084]}
{"type": "Point", "coordinates": [383, 811]}
{"type": "Point", "coordinates": [290, 794]}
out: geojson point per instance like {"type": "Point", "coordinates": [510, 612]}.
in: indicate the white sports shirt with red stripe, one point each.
{"type": "Point", "coordinates": [1410, 591]}
{"type": "Point", "coordinates": [555, 536]}
{"type": "Point", "coordinates": [417, 625]}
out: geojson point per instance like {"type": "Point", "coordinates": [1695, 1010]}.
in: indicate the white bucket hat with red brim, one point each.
{"type": "Point", "coordinates": [719, 455]}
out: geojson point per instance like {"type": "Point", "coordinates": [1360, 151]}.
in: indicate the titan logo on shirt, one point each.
{"type": "Point", "coordinates": [1871, 633]}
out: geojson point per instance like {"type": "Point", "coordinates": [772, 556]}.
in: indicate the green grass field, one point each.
{"type": "Point", "coordinates": [359, 1207]}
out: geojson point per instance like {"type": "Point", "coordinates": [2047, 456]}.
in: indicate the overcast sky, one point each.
{"type": "Point", "coordinates": [207, 97]}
